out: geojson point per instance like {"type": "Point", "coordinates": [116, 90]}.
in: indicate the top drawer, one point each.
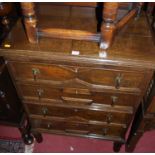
{"type": "Point", "coordinates": [78, 76]}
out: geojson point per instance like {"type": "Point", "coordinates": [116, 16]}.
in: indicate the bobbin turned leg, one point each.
{"type": "Point", "coordinates": [30, 21]}
{"type": "Point", "coordinates": [108, 26]}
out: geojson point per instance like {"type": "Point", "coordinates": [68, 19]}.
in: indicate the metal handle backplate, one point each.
{"type": "Point", "coordinates": [35, 72]}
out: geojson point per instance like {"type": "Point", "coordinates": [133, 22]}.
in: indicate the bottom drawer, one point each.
{"type": "Point", "coordinates": [78, 127]}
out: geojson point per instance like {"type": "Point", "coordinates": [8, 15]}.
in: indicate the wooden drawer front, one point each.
{"type": "Point", "coordinates": [48, 93]}
{"type": "Point", "coordinates": [42, 72]}
{"type": "Point", "coordinates": [72, 113]}
{"type": "Point", "coordinates": [115, 99]}
{"type": "Point", "coordinates": [114, 78]}
{"type": "Point", "coordinates": [85, 76]}
{"type": "Point", "coordinates": [78, 128]}
{"type": "Point", "coordinates": [39, 92]}
{"type": "Point", "coordinates": [75, 96]}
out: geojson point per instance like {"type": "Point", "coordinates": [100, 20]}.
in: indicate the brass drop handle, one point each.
{"type": "Point", "coordinates": [44, 111]}
{"type": "Point", "coordinates": [49, 125]}
{"type": "Point", "coordinates": [35, 72]}
{"type": "Point", "coordinates": [118, 80]}
{"type": "Point", "coordinates": [114, 100]}
{"type": "Point", "coordinates": [40, 92]}
{"type": "Point", "coordinates": [109, 118]}
{"type": "Point", "coordinates": [105, 130]}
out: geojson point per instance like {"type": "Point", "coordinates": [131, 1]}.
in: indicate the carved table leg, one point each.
{"type": "Point", "coordinates": [135, 131]}
{"type": "Point", "coordinates": [130, 146]}
{"type": "Point", "coordinates": [38, 136]}
{"type": "Point", "coordinates": [117, 146]}
{"type": "Point", "coordinates": [139, 123]}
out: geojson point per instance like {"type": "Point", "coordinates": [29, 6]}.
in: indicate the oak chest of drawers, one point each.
{"type": "Point", "coordinates": [81, 95]}
{"type": "Point", "coordinates": [88, 101]}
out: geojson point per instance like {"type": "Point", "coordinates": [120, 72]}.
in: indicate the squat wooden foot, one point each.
{"type": "Point", "coordinates": [27, 138]}
{"type": "Point", "coordinates": [25, 130]}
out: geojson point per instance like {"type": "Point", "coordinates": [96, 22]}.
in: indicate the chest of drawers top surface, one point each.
{"type": "Point", "coordinates": [133, 46]}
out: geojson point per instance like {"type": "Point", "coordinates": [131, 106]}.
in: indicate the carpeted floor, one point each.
{"type": "Point", "coordinates": [11, 146]}
{"type": "Point", "coordinates": [64, 144]}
